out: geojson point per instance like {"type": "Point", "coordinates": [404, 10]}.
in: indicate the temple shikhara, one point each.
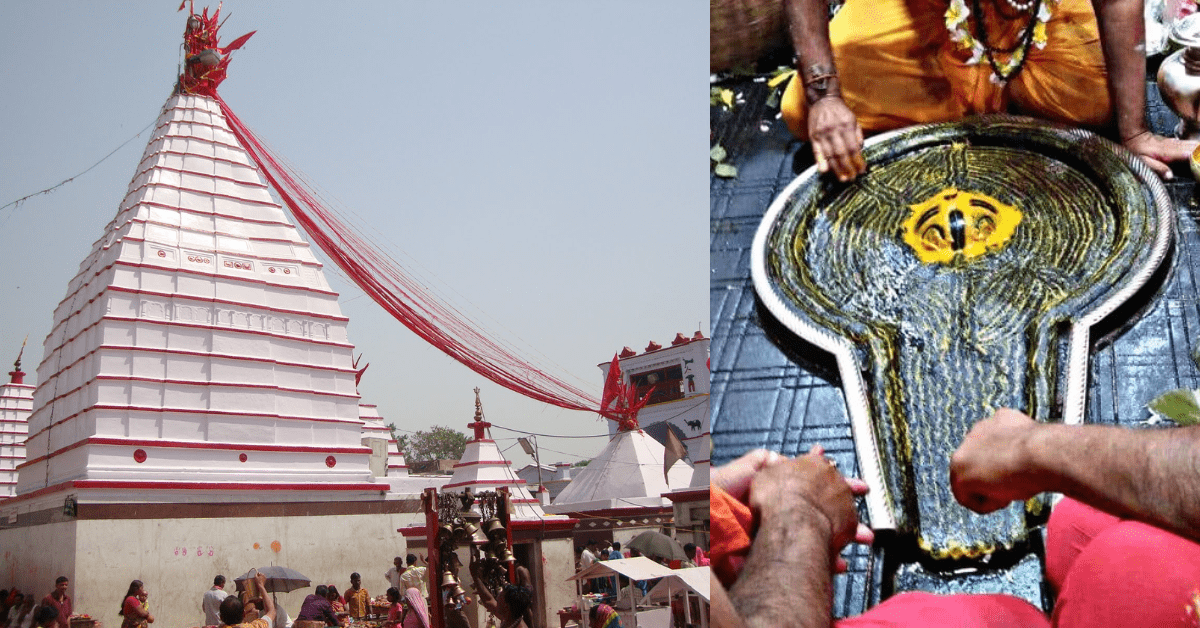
{"type": "Point", "coordinates": [197, 412]}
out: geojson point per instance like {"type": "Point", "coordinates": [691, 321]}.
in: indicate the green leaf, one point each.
{"type": "Point", "coordinates": [726, 171]}
{"type": "Point", "coordinates": [721, 96]}
{"type": "Point", "coordinates": [1178, 405]}
{"type": "Point", "coordinates": [718, 153]}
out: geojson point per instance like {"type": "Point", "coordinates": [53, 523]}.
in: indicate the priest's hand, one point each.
{"type": "Point", "coordinates": [735, 477]}
{"type": "Point", "coordinates": [993, 465]}
{"type": "Point", "coordinates": [1158, 151]}
{"type": "Point", "coordinates": [836, 137]}
{"type": "Point", "coordinates": [810, 488]}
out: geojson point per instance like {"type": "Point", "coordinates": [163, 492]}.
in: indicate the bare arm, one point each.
{"type": "Point", "coordinates": [832, 128]}
{"type": "Point", "coordinates": [791, 554]}
{"type": "Point", "coordinates": [1150, 475]}
{"type": "Point", "coordinates": [481, 591]}
{"type": "Point", "coordinates": [268, 603]}
{"type": "Point", "coordinates": [806, 516]}
{"type": "Point", "coordinates": [1123, 39]}
{"type": "Point", "coordinates": [721, 610]}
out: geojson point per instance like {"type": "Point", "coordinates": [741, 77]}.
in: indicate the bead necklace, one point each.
{"type": "Point", "coordinates": [1034, 34]}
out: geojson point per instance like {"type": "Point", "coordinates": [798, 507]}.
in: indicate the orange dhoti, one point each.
{"type": "Point", "coordinates": [898, 66]}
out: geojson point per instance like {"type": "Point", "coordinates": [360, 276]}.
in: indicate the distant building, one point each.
{"type": "Point", "coordinates": [554, 477]}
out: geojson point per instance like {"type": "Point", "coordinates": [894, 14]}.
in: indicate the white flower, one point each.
{"type": "Point", "coordinates": [956, 14]}
{"type": "Point", "coordinates": [977, 53]}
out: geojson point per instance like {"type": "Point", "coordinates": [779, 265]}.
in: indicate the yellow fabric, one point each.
{"type": "Point", "coordinates": [358, 603]}
{"type": "Point", "coordinates": [898, 67]}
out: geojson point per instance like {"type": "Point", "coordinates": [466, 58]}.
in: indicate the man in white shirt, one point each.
{"type": "Point", "coordinates": [586, 559]}
{"type": "Point", "coordinates": [393, 574]}
{"type": "Point", "coordinates": [589, 554]}
{"type": "Point", "coordinates": [211, 604]}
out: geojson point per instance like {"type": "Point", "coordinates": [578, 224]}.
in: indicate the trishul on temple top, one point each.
{"type": "Point", "coordinates": [205, 61]}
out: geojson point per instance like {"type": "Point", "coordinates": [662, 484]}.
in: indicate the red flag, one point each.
{"type": "Point", "coordinates": [612, 384]}
{"type": "Point", "coordinates": [237, 43]}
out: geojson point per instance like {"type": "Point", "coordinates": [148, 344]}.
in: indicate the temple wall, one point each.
{"type": "Point", "coordinates": [558, 564]}
{"type": "Point", "coordinates": [34, 556]}
{"type": "Point", "coordinates": [101, 557]}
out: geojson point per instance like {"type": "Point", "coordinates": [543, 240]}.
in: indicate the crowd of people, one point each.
{"type": "Point", "coordinates": [407, 601]}
{"type": "Point", "coordinates": [326, 606]}
{"type": "Point", "coordinates": [602, 549]}
{"type": "Point", "coordinates": [602, 614]}
{"type": "Point", "coordinates": [24, 610]}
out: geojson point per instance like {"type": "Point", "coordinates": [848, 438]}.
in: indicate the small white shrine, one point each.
{"type": "Point", "coordinates": [484, 468]}
{"type": "Point", "coordinates": [623, 490]}
{"type": "Point", "coordinates": [626, 474]}
{"type": "Point", "coordinates": [540, 541]}
{"type": "Point", "coordinates": [678, 375]}
{"type": "Point", "coordinates": [16, 403]}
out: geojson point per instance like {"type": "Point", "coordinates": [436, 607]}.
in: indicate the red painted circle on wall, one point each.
{"type": "Point", "coordinates": [139, 456]}
{"type": "Point", "coordinates": [330, 461]}
{"type": "Point", "coordinates": [242, 457]}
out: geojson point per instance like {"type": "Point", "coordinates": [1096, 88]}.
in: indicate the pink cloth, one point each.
{"type": "Point", "coordinates": [927, 610]}
{"type": "Point", "coordinates": [1114, 572]}
{"type": "Point", "coordinates": [418, 611]}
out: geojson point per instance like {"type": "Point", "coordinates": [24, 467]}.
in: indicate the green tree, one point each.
{"type": "Point", "coordinates": [439, 443]}
{"type": "Point", "coordinates": [401, 441]}
{"type": "Point", "coordinates": [581, 463]}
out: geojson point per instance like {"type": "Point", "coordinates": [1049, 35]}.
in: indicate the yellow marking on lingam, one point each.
{"type": "Point", "coordinates": [953, 548]}
{"type": "Point", "coordinates": [954, 222]}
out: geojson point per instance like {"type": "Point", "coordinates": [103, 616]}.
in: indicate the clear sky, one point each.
{"type": "Point", "coordinates": [544, 160]}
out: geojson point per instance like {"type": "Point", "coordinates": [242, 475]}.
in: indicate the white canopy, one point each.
{"type": "Point", "coordinates": [695, 578]}
{"type": "Point", "coordinates": [628, 472]}
{"type": "Point", "coordinates": [639, 568]}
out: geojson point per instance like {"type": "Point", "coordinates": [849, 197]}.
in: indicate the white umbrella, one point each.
{"type": "Point", "coordinates": [694, 579]}
{"type": "Point", "coordinates": [697, 579]}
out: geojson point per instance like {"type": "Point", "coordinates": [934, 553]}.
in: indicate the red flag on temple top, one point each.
{"type": "Point", "coordinates": [612, 383]}
{"type": "Point", "coordinates": [619, 401]}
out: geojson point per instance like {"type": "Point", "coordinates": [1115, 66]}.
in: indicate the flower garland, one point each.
{"type": "Point", "coordinates": [1035, 34]}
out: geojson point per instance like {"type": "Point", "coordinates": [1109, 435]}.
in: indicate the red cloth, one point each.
{"type": "Point", "coordinates": [1107, 572]}
{"type": "Point", "coordinates": [129, 609]}
{"type": "Point", "coordinates": [928, 610]}
{"type": "Point", "coordinates": [64, 609]}
{"type": "Point", "coordinates": [731, 523]}
{"type": "Point", "coordinates": [1115, 572]}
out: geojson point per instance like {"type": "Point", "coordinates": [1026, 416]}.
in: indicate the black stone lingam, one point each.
{"type": "Point", "coordinates": [957, 276]}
